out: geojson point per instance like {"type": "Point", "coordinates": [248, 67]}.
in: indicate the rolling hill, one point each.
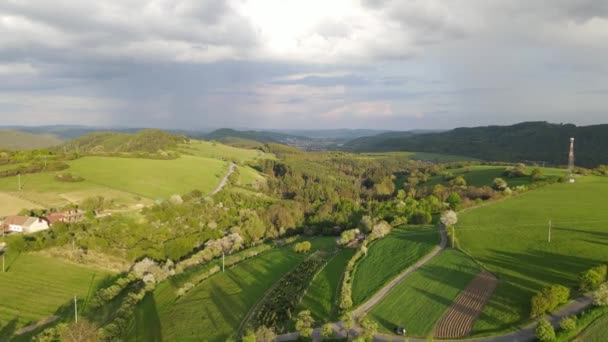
{"type": "Point", "coordinates": [149, 140]}
{"type": "Point", "coordinates": [528, 141]}
{"type": "Point", "coordinates": [18, 140]}
{"type": "Point", "coordinates": [260, 136]}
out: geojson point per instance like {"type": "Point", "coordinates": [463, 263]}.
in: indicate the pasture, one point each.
{"type": "Point", "coordinates": [480, 175]}
{"type": "Point", "coordinates": [596, 332]}
{"type": "Point", "coordinates": [152, 178]}
{"type": "Point", "coordinates": [36, 287]}
{"type": "Point", "coordinates": [215, 308]}
{"type": "Point", "coordinates": [389, 256]}
{"type": "Point", "coordinates": [510, 238]}
{"type": "Point", "coordinates": [421, 299]}
{"type": "Point", "coordinates": [128, 181]}
{"type": "Point", "coordinates": [322, 294]}
{"type": "Point", "coordinates": [215, 150]}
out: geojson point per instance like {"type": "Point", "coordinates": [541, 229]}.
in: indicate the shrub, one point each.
{"type": "Point", "coordinates": [568, 323]}
{"type": "Point", "coordinates": [593, 278]}
{"type": "Point", "coordinates": [544, 331]}
{"type": "Point", "coordinates": [548, 299]}
{"type": "Point", "coordinates": [454, 200]}
{"type": "Point", "coordinates": [68, 178]}
{"type": "Point", "coordinates": [327, 331]}
{"type": "Point", "coordinates": [600, 296]}
{"type": "Point", "coordinates": [304, 323]}
{"type": "Point", "coordinates": [347, 236]}
{"type": "Point", "coordinates": [302, 247]}
{"type": "Point", "coordinates": [499, 184]}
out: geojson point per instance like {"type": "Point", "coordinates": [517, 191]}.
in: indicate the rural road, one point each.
{"type": "Point", "coordinates": [365, 307]}
{"type": "Point", "coordinates": [524, 335]}
{"type": "Point", "coordinates": [224, 181]}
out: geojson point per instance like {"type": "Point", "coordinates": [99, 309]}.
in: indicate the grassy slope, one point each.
{"type": "Point", "coordinates": [419, 301]}
{"type": "Point", "coordinates": [389, 256]}
{"type": "Point", "coordinates": [17, 140]}
{"type": "Point", "coordinates": [485, 174]}
{"type": "Point", "coordinates": [216, 307]}
{"type": "Point", "coordinates": [216, 150]}
{"type": "Point", "coordinates": [596, 332]}
{"type": "Point", "coordinates": [152, 178]}
{"type": "Point", "coordinates": [123, 179]}
{"type": "Point", "coordinates": [322, 293]}
{"type": "Point", "coordinates": [10, 205]}
{"type": "Point", "coordinates": [34, 287]}
{"type": "Point", "coordinates": [510, 239]}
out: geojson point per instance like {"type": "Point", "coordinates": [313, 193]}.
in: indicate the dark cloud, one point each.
{"type": "Point", "coordinates": [259, 63]}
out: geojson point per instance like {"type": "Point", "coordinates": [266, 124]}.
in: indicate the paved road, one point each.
{"type": "Point", "coordinates": [224, 181]}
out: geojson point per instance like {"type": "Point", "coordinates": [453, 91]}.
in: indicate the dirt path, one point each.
{"type": "Point", "coordinates": [367, 306]}
{"type": "Point", "coordinates": [36, 325]}
{"type": "Point", "coordinates": [460, 317]}
{"type": "Point", "coordinates": [224, 181]}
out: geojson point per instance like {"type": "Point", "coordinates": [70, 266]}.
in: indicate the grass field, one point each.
{"type": "Point", "coordinates": [35, 287]}
{"type": "Point", "coordinates": [321, 296]}
{"type": "Point", "coordinates": [480, 175]}
{"type": "Point", "coordinates": [510, 239]}
{"type": "Point", "coordinates": [389, 256]}
{"type": "Point", "coordinates": [152, 178]}
{"type": "Point", "coordinates": [215, 150]}
{"type": "Point", "coordinates": [10, 205]}
{"type": "Point", "coordinates": [439, 158]}
{"type": "Point", "coordinates": [128, 181]}
{"type": "Point", "coordinates": [215, 308]}
{"type": "Point", "coordinates": [420, 300]}
{"type": "Point", "coordinates": [596, 332]}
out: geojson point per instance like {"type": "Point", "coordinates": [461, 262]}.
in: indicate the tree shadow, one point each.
{"type": "Point", "coordinates": [8, 330]}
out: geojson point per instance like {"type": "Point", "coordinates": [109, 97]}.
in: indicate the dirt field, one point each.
{"type": "Point", "coordinates": [11, 205]}
{"type": "Point", "coordinates": [460, 317]}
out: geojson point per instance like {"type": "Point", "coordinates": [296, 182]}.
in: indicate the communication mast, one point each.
{"type": "Point", "coordinates": [571, 160]}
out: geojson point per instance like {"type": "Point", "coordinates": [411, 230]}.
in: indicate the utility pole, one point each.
{"type": "Point", "coordinates": [453, 233]}
{"type": "Point", "coordinates": [549, 231]}
{"type": "Point", "coordinates": [75, 309]}
{"type": "Point", "coordinates": [19, 181]}
{"type": "Point", "coordinates": [222, 261]}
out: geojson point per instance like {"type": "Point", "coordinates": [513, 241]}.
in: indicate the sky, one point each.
{"type": "Point", "coordinates": [307, 64]}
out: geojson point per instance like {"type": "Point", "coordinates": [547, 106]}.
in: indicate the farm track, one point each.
{"type": "Point", "coordinates": [458, 321]}
{"type": "Point", "coordinates": [224, 181]}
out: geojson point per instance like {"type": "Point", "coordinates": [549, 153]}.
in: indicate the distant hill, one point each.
{"type": "Point", "coordinates": [528, 141]}
{"type": "Point", "coordinates": [149, 140]}
{"type": "Point", "coordinates": [260, 136]}
{"type": "Point", "coordinates": [18, 140]}
{"type": "Point", "coordinates": [335, 134]}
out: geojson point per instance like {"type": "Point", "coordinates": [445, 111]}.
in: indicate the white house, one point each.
{"type": "Point", "coordinates": [24, 224]}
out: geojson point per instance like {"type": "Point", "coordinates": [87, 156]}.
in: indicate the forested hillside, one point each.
{"type": "Point", "coordinates": [529, 141]}
{"type": "Point", "coordinates": [260, 136]}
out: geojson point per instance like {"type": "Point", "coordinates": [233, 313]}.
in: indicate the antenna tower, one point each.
{"type": "Point", "coordinates": [571, 160]}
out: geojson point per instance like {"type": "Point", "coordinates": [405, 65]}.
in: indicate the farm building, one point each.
{"type": "Point", "coordinates": [24, 224]}
{"type": "Point", "coordinates": [66, 216]}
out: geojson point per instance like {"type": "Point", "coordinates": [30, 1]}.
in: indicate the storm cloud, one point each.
{"type": "Point", "coordinates": [302, 64]}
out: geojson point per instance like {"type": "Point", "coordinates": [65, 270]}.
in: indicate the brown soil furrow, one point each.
{"type": "Point", "coordinates": [459, 319]}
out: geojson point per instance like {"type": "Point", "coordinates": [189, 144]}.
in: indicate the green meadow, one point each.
{"type": "Point", "coordinates": [322, 295]}
{"type": "Point", "coordinates": [215, 150]}
{"type": "Point", "coordinates": [510, 239]}
{"type": "Point", "coordinates": [389, 256]}
{"type": "Point", "coordinates": [35, 287]}
{"type": "Point", "coordinates": [421, 299]}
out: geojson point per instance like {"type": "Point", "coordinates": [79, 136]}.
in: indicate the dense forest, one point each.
{"type": "Point", "coordinates": [530, 141]}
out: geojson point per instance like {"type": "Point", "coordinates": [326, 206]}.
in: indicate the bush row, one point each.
{"type": "Point", "coordinates": [280, 304]}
